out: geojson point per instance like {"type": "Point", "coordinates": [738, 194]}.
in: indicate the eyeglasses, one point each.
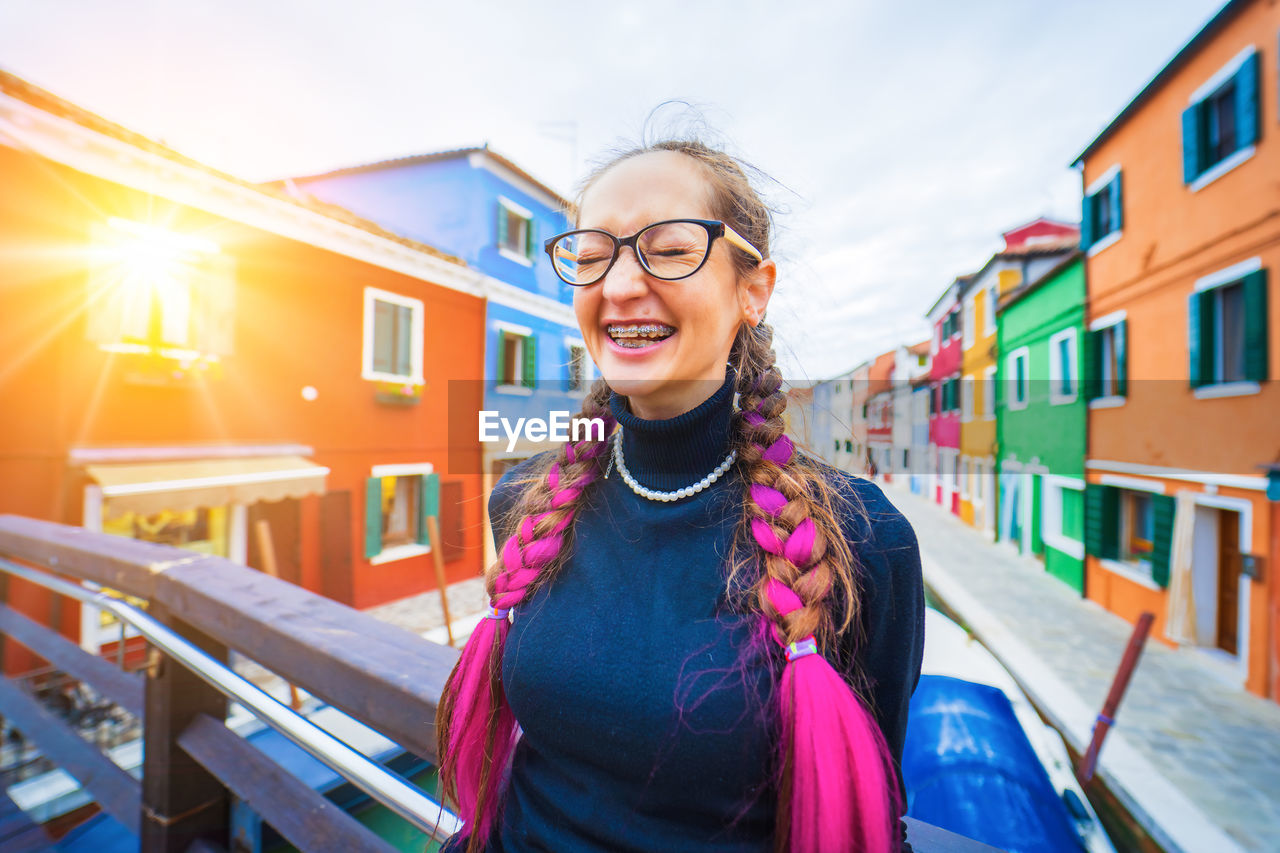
{"type": "Point", "coordinates": [669, 250]}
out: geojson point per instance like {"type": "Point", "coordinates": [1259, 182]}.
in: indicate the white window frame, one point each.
{"type": "Point", "coordinates": [1020, 354]}
{"type": "Point", "coordinates": [992, 301]}
{"type": "Point", "coordinates": [1053, 485]}
{"type": "Point", "coordinates": [1056, 397]}
{"type": "Point", "coordinates": [1110, 401]}
{"type": "Point", "coordinates": [525, 214]}
{"type": "Point", "coordinates": [1207, 88]}
{"type": "Point", "coordinates": [989, 393]}
{"type": "Point", "coordinates": [1113, 236]}
{"type": "Point", "coordinates": [968, 320]}
{"type": "Point", "coordinates": [411, 549]}
{"type": "Point", "coordinates": [1215, 280]}
{"type": "Point", "coordinates": [417, 325]}
{"type": "Point", "coordinates": [517, 388]}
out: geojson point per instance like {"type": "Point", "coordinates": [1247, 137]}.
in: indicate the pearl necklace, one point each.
{"type": "Point", "coordinates": [654, 494]}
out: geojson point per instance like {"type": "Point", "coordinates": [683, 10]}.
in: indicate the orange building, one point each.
{"type": "Point", "coordinates": [1182, 233]}
{"type": "Point", "coordinates": [184, 354]}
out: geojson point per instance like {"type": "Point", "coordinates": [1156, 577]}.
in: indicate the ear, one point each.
{"type": "Point", "coordinates": [755, 290]}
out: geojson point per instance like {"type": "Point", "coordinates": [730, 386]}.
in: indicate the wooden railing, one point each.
{"type": "Point", "coordinates": [385, 677]}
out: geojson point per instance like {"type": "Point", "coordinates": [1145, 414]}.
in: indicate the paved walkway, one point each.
{"type": "Point", "coordinates": [1195, 760]}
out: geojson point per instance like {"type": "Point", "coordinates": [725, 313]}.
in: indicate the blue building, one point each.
{"type": "Point", "coordinates": [486, 210]}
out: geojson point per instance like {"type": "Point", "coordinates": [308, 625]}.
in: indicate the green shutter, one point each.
{"type": "Point", "coordinates": [1247, 102]}
{"type": "Point", "coordinates": [1162, 511]}
{"type": "Point", "coordinates": [531, 239]}
{"type": "Point", "coordinates": [498, 368]}
{"type": "Point", "coordinates": [1121, 338]}
{"type": "Point", "coordinates": [404, 341]}
{"type": "Point", "coordinates": [1200, 338]}
{"type": "Point", "coordinates": [1117, 208]}
{"type": "Point", "coordinates": [428, 504]}
{"type": "Point", "coordinates": [1190, 143]}
{"type": "Point", "coordinates": [373, 516]}
{"type": "Point", "coordinates": [502, 225]}
{"type": "Point", "coordinates": [529, 370]}
{"type": "Point", "coordinates": [1255, 326]}
{"type": "Point", "coordinates": [1101, 520]}
{"type": "Point", "coordinates": [1086, 222]}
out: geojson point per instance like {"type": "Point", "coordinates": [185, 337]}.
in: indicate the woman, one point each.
{"type": "Point", "coordinates": [708, 639]}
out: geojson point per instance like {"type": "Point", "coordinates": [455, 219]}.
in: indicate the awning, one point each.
{"type": "Point", "coordinates": [153, 487]}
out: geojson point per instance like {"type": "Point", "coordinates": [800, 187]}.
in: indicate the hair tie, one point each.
{"type": "Point", "coordinates": [801, 648]}
{"type": "Point", "coordinates": [495, 613]}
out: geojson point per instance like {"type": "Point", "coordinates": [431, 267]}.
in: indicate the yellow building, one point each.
{"type": "Point", "coordinates": [1029, 251]}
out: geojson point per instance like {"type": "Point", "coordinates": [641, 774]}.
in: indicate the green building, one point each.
{"type": "Point", "coordinates": [1041, 414]}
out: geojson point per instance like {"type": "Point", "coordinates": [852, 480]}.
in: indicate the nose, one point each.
{"type": "Point", "coordinates": [627, 280]}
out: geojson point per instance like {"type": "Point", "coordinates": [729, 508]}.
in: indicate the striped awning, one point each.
{"type": "Point", "coordinates": [155, 486]}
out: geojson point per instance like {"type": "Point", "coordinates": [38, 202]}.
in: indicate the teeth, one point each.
{"type": "Point", "coordinates": [647, 330]}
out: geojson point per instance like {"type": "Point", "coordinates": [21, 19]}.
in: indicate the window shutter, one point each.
{"type": "Point", "coordinates": [531, 239]}
{"type": "Point", "coordinates": [1255, 326]}
{"type": "Point", "coordinates": [502, 225]}
{"type": "Point", "coordinates": [1101, 520]}
{"type": "Point", "coordinates": [1090, 368]}
{"type": "Point", "coordinates": [383, 334]}
{"type": "Point", "coordinates": [1247, 102]}
{"type": "Point", "coordinates": [1086, 222]}
{"type": "Point", "coordinates": [1121, 338]}
{"type": "Point", "coordinates": [1190, 143]}
{"type": "Point", "coordinates": [499, 367]}
{"type": "Point", "coordinates": [1117, 207]}
{"type": "Point", "coordinates": [529, 371]}
{"type": "Point", "coordinates": [1162, 510]}
{"type": "Point", "coordinates": [1199, 338]}
{"type": "Point", "coordinates": [404, 341]}
{"type": "Point", "coordinates": [428, 504]}
{"type": "Point", "coordinates": [373, 516]}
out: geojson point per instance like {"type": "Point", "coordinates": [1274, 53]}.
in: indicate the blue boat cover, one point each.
{"type": "Point", "coordinates": [969, 768]}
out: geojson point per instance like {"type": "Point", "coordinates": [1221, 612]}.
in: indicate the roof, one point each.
{"type": "Point", "coordinates": [921, 348]}
{"type": "Point", "coordinates": [1040, 250]}
{"type": "Point", "coordinates": [45, 101]}
{"type": "Point", "coordinates": [1030, 286]}
{"type": "Point", "coordinates": [960, 281]}
{"type": "Point", "coordinates": [1207, 32]}
{"type": "Point", "coordinates": [432, 157]}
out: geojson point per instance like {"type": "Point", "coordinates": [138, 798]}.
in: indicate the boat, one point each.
{"type": "Point", "coordinates": [979, 761]}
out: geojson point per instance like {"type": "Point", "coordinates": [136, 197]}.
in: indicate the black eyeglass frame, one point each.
{"type": "Point", "coordinates": [715, 229]}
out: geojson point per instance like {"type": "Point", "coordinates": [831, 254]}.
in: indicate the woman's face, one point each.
{"type": "Point", "coordinates": [663, 376]}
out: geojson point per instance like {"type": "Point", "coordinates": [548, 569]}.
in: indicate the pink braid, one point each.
{"type": "Point", "coordinates": [843, 787]}
{"type": "Point", "coordinates": [480, 725]}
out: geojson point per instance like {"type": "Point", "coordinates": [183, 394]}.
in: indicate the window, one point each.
{"type": "Point", "coordinates": [1102, 212]}
{"type": "Point", "coordinates": [1019, 380]}
{"type": "Point", "coordinates": [398, 499]}
{"type": "Point", "coordinates": [393, 332]}
{"type": "Point", "coordinates": [517, 239]}
{"type": "Point", "coordinates": [989, 393]}
{"type": "Point", "coordinates": [1063, 515]}
{"type": "Point", "coordinates": [848, 445]}
{"type": "Point", "coordinates": [992, 303]}
{"type": "Point", "coordinates": [579, 368]}
{"type": "Point", "coordinates": [1227, 327]}
{"type": "Point", "coordinates": [517, 358]}
{"type": "Point", "coordinates": [967, 327]}
{"type": "Point", "coordinates": [155, 291]}
{"type": "Point", "coordinates": [966, 398]}
{"type": "Point", "coordinates": [1105, 348]}
{"type": "Point", "coordinates": [1062, 367]}
{"type": "Point", "coordinates": [1220, 126]}
{"type": "Point", "coordinates": [1131, 528]}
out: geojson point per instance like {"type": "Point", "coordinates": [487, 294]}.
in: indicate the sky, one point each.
{"type": "Point", "coordinates": [896, 141]}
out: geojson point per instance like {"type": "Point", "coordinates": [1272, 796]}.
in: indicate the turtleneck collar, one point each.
{"type": "Point", "coordinates": [676, 452]}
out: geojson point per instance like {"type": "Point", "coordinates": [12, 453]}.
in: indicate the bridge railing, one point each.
{"type": "Point", "coordinates": [198, 608]}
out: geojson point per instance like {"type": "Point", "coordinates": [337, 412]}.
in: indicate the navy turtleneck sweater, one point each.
{"type": "Point", "coordinates": [648, 723]}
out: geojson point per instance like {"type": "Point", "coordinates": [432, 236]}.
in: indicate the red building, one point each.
{"type": "Point", "coordinates": [186, 354]}
{"type": "Point", "coordinates": [880, 415]}
{"type": "Point", "coordinates": [944, 381]}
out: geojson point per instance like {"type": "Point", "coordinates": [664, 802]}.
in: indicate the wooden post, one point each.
{"type": "Point", "coordinates": [181, 801]}
{"type": "Point", "coordinates": [267, 549]}
{"type": "Point", "coordinates": [431, 514]}
{"type": "Point", "coordinates": [1106, 719]}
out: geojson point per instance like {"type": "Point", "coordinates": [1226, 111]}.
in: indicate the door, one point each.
{"type": "Point", "coordinates": [1204, 574]}
{"type": "Point", "coordinates": [1228, 580]}
{"type": "Point", "coordinates": [285, 521]}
